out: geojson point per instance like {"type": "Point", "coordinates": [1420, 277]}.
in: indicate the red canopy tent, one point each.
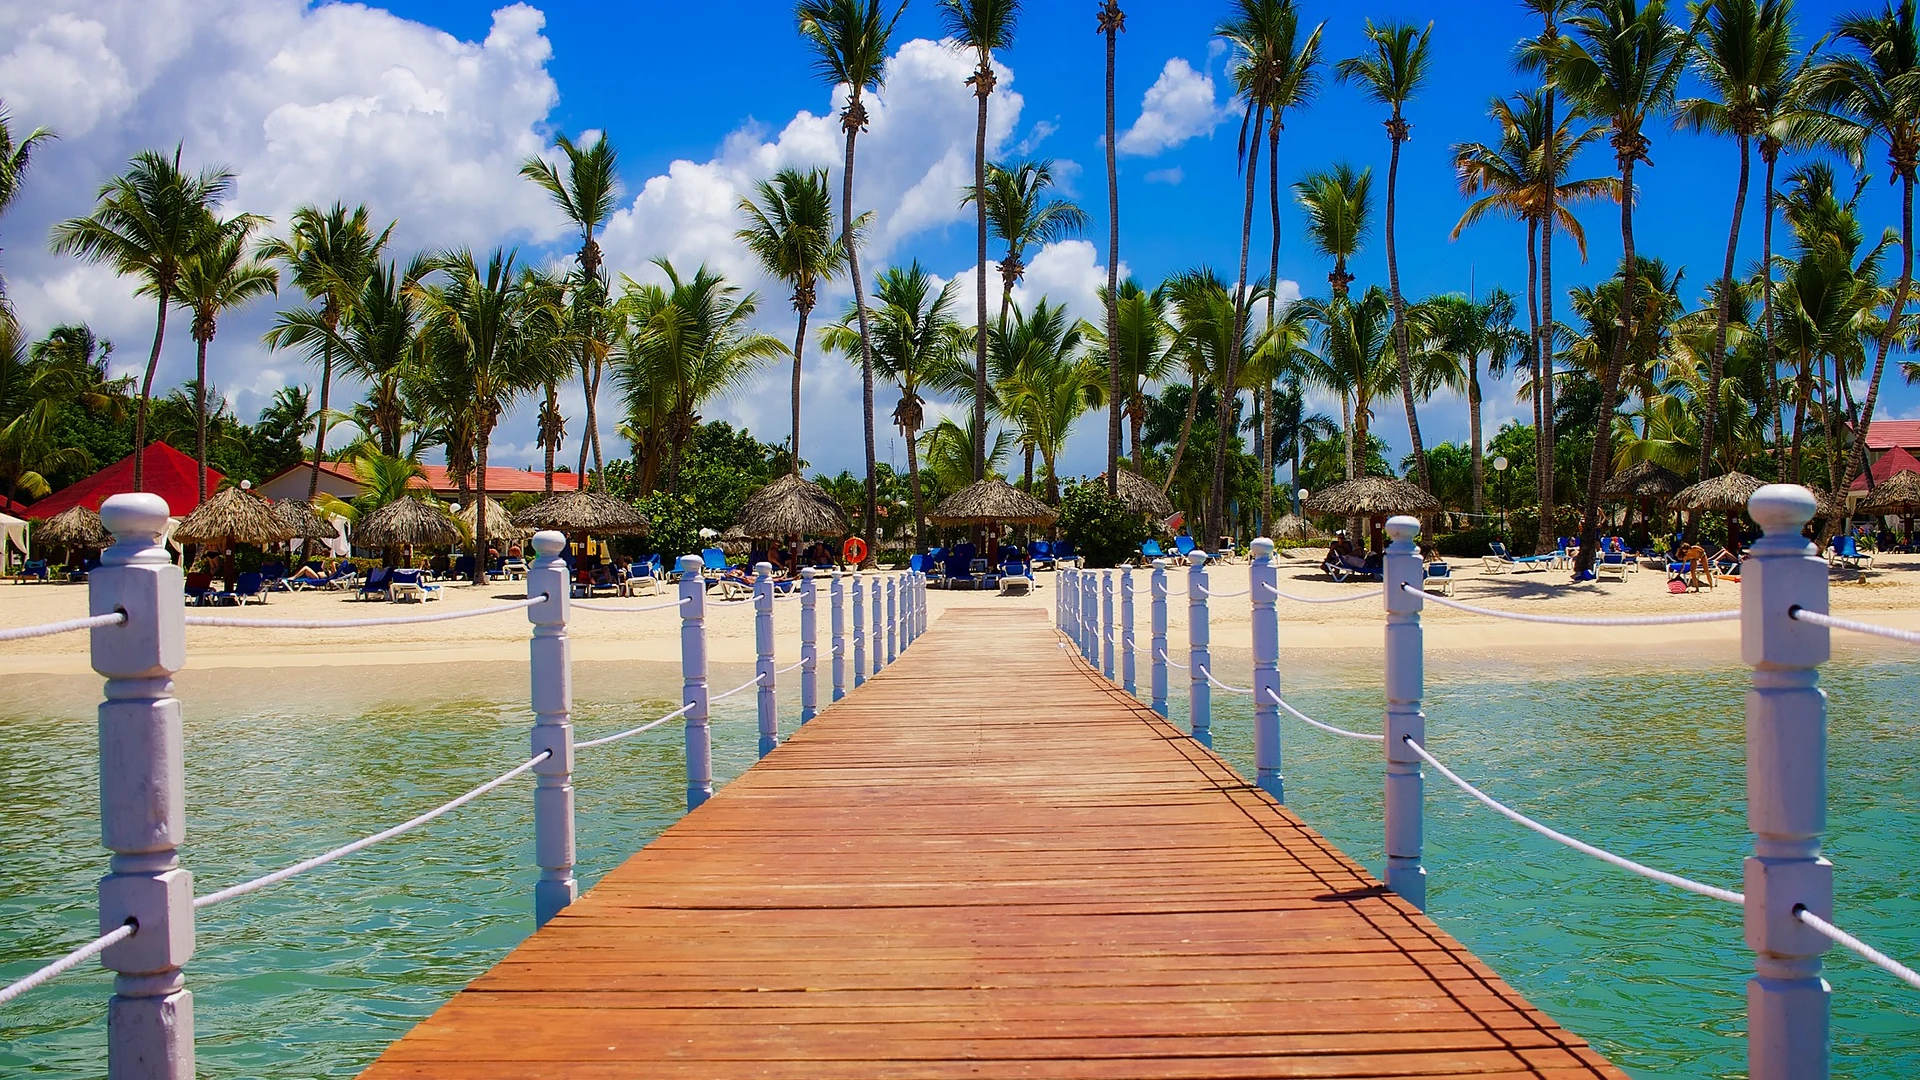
{"type": "Point", "coordinates": [170, 474]}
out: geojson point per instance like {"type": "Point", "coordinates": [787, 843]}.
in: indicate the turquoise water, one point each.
{"type": "Point", "coordinates": [314, 977]}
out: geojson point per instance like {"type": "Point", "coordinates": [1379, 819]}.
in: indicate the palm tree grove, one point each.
{"type": "Point", "coordinates": [1231, 390]}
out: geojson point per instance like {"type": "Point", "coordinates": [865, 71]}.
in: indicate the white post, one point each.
{"type": "Point", "coordinates": [763, 671]}
{"type": "Point", "coordinates": [1405, 686]}
{"type": "Point", "coordinates": [926, 618]}
{"type": "Point", "coordinates": [1199, 660]}
{"type": "Point", "coordinates": [1090, 618]}
{"type": "Point", "coordinates": [1786, 790]}
{"type": "Point", "coordinates": [1157, 639]}
{"type": "Point", "coordinates": [1126, 630]}
{"type": "Point", "coordinates": [1262, 580]}
{"type": "Point", "coordinates": [878, 627]}
{"type": "Point", "coordinates": [693, 672]}
{"type": "Point", "coordinates": [143, 799]}
{"type": "Point", "coordinates": [836, 597]}
{"type": "Point", "coordinates": [893, 625]}
{"type": "Point", "coordinates": [551, 666]}
{"type": "Point", "coordinates": [1059, 596]}
{"type": "Point", "coordinates": [1106, 622]}
{"type": "Point", "coordinates": [809, 647]}
{"type": "Point", "coordinates": [859, 631]}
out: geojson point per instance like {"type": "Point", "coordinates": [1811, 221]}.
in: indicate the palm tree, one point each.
{"type": "Point", "coordinates": [1871, 90]}
{"type": "Point", "coordinates": [946, 452]}
{"type": "Point", "coordinates": [1745, 49]}
{"type": "Point", "coordinates": [983, 26]}
{"type": "Point", "coordinates": [1339, 207]}
{"type": "Point", "coordinates": [1463, 330]}
{"type": "Point", "coordinates": [330, 254]}
{"type": "Point", "coordinates": [1555, 154]}
{"type": "Point", "coordinates": [1391, 74]}
{"type": "Point", "coordinates": [145, 223]}
{"type": "Point", "coordinates": [1204, 308]}
{"type": "Point", "coordinates": [683, 344]}
{"type": "Point", "coordinates": [586, 196]}
{"type": "Point", "coordinates": [216, 277]}
{"type": "Point", "coordinates": [915, 335]}
{"type": "Point", "coordinates": [850, 42]}
{"type": "Point", "coordinates": [1043, 383]}
{"type": "Point", "coordinates": [1281, 356]}
{"type": "Point", "coordinates": [378, 342]}
{"type": "Point", "coordinates": [1142, 353]}
{"type": "Point", "coordinates": [1110, 22]}
{"type": "Point", "coordinates": [67, 368]}
{"type": "Point", "coordinates": [1294, 428]}
{"type": "Point", "coordinates": [1355, 361]}
{"type": "Point", "coordinates": [490, 342]}
{"type": "Point", "coordinates": [1622, 63]}
{"type": "Point", "coordinates": [1511, 180]}
{"type": "Point", "coordinates": [16, 156]}
{"type": "Point", "coordinates": [790, 230]}
{"type": "Point", "coordinates": [1022, 215]}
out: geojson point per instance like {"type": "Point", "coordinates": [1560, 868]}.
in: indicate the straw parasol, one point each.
{"type": "Point", "coordinates": [405, 521]}
{"type": "Point", "coordinates": [74, 527]}
{"type": "Point", "coordinates": [1370, 497]}
{"type": "Point", "coordinates": [1290, 527]}
{"type": "Point", "coordinates": [1142, 495]}
{"type": "Point", "coordinates": [989, 501]}
{"type": "Point", "coordinates": [791, 506]}
{"type": "Point", "coordinates": [1726, 493]}
{"type": "Point", "coordinates": [500, 524]}
{"type": "Point", "coordinates": [584, 512]}
{"type": "Point", "coordinates": [1898, 494]}
{"type": "Point", "coordinates": [234, 516]}
{"type": "Point", "coordinates": [301, 518]}
{"type": "Point", "coordinates": [1643, 480]}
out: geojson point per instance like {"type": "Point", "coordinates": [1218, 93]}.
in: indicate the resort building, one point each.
{"type": "Point", "coordinates": [339, 479]}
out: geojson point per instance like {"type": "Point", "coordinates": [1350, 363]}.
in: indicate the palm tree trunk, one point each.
{"type": "Point", "coordinates": [983, 89]}
{"type": "Point", "coordinates": [200, 412]}
{"type": "Point", "coordinates": [1832, 416]}
{"type": "Point", "coordinates": [1602, 460]}
{"type": "Point", "coordinates": [1543, 457]}
{"type": "Point", "coordinates": [1230, 375]}
{"type": "Point", "coordinates": [869, 523]}
{"type": "Point", "coordinates": [1346, 427]}
{"type": "Point", "coordinates": [1186, 431]}
{"type": "Point", "coordinates": [553, 406]}
{"type": "Point", "coordinates": [586, 437]}
{"type": "Point", "coordinates": [146, 395]}
{"type": "Point", "coordinates": [1400, 310]}
{"type": "Point", "coordinates": [1766, 299]}
{"type": "Point", "coordinates": [1266, 456]}
{"type": "Point", "coordinates": [1717, 363]}
{"type": "Point", "coordinates": [593, 425]}
{"type": "Point", "coordinates": [1542, 449]}
{"type": "Point", "coordinates": [320, 426]}
{"type": "Point", "coordinates": [480, 504]}
{"type": "Point", "coordinates": [1473, 424]}
{"type": "Point", "coordinates": [1857, 457]}
{"type": "Point", "coordinates": [799, 345]}
{"type": "Point", "coordinates": [1803, 393]}
{"type": "Point", "coordinates": [1113, 283]}
{"type": "Point", "coordinates": [913, 482]}
{"type": "Point", "coordinates": [1026, 483]}
{"type": "Point", "coordinates": [1136, 417]}
{"type": "Point", "coordinates": [1273, 282]}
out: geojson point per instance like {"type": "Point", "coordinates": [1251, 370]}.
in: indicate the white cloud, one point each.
{"type": "Point", "coordinates": [1178, 106]}
{"type": "Point", "coordinates": [1170, 177]}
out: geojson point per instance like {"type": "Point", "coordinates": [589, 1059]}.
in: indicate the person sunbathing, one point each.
{"type": "Point", "coordinates": [306, 573]}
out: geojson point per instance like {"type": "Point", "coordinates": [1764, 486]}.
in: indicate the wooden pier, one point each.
{"type": "Point", "coordinates": [989, 862]}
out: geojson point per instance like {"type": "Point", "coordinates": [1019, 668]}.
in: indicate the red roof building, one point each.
{"type": "Point", "coordinates": [1895, 460]}
{"type": "Point", "coordinates": [168, 473]}
{"type": "Point", "coordinates": [341, 480]}
{"type": "Point", "coordinates": [1891, 434]}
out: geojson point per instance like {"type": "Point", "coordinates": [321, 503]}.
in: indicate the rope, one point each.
{"type": "Point", "coordinates": [630, 610]}
{"type": "Point", "coordinates": [68, 962]}
{"type": "Point", "coordinates": [1221, 685]}
{"type": "Point", "coordinates": [1576, 620]}
{"type": "Point", "coordinates": [245, 887]}
{"type": "Point", "coordinates": [648, 726]}
{"type": "Point", "coordinates": [1865, 951]}
{"type": "Point", "coordinates": [1368, 595]}
{"type": "Point", "coordinates": [345, 624]}
{"type": "Point", "coordinates": [1170, 660]}
{"type": "Point", "coordinates": [22, 633]}
{"type": "Point", "coordinates": [1210, 594]}
{"type": "Point", "coordinates": [1342, 732]}
{"type": "Point", "coordinates": [748, 685]}
{"type": "Point", "coordinates": [1517, 817]}
{"type": "Point", "coordinates": [790, 667]}
{"type": "Point", "coordinates": [1816, 618]}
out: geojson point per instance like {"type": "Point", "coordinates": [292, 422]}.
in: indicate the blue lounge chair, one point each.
{"type": "Point", "coordinates": [1015, 579]}
{"type": "Point", "coordinates": [1063, 551]}
{"type": "Point", "coordinates": [1846, 551]}
{"type": "Point", "coordinates": [713, 561]}
{"type": "Point", "coordinates": [32, 570]}
{"type": "Point", "coordinates": [959, 570]}
{"type": "Point", "coordinates": [1151, 551]}
{"type": "Point", "coordinates": [251, 588]}
{"type": "Point", "coordinates": [376, 584]}
{"type": "Point", "coordinates": [411, 584]}
{"type": "Point", "coordinates": [1612, 564]}
{"type": "Point", "coordinates": [1039, 554]}
{"type": "Point", "coordinates": [1438, 578]}
{"type": "Point", "coordinates": [1184, 544]}
{"type": "Point", "coordinates": [1498, 559]}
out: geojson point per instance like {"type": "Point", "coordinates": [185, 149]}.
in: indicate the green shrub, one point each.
{"type": "Point", "coordinates": [1468, 543]}
{"type": "Point", "coordinates": [1099, 526]}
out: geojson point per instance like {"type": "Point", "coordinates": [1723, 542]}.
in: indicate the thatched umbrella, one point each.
{"type": "Point", "coordinates": [584, 512]}
{"type": "Point", "coordinates": [1371, 497]}
{"type": "Point", "coordinates": [75, 527]}
{"type": "Point", "coordinates": [1640, 483]}
{"type": "Point", "coordinates": [792, 506]}
{"type": "Point", "coordinates": [1290, 527]}
{"type": "Point", "coordinates": [500, 524]}
{"type": "Point", "coordinates": [1142, 495]}
{"type": "Point", "coordinates": [991, 501]}
{"type": "Point", "coordinates": [408, 521]}
{"type": "Point", "coordinates": [1899, 495]}
{"type": "Point", "coordinates": [300, 517]}
{"type": "Point", "coordinates": [234, 516]}
{"type": "Point", "coordinates": [1727, 493]}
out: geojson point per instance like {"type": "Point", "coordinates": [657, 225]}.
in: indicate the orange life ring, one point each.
{"type": "Point", "coordinates": [854, 550]}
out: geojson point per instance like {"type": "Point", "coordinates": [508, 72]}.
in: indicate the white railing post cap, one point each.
{"type": "Point", "coordinates": [1403, 529]}
{"type": "Point", "coordinates": [137, 520]}
{"type": "Point", "coordinates": [690, 564]}
{"type": "Point", "coordinates": [549, 542]}
{"type": "Point", "coordinates": [1261, 548]}
{"type": "Point", "coordinates": [1196, 557]}
{"type": "Point", "coordinates": [1782, 509]}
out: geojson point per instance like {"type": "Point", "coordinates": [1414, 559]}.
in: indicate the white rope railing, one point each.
{"type": "Point", "coordinates": [1818, 619]}
{"type": "Point", "coordinates": [1212, 595]}
{"type": "Point", "coordinates": [1865, 951]}
{"type": "Point", "coordinates": [1368, 595]}
{"type": "Point", "coordinates": [68, 962]}
{"type": "Point", "coordinates": [349, 624]}
{"type": "Point", "coordinates": [648, 726]}
{"type": "Point", "coordinates": [1329, 728]}
{"type": "Point", "coordinates": [748, 685]}
{"type": "Point", "coordinates": [1221, 685]}
{"type": "Point", "coordinates": [236, 891]}
{"type": "Point", "coordinates": [629, 610]}
{"type": "Point", "coordinates": [790, 667]}
{"type": "Point", "coordinates": [1164, 658]}
{"type": "Point", "coordinates": [1675, 880]}
{"type": "Point", "coordinates": [1579, 620]}
{"type": "Point", "coordinates": [22, 633]}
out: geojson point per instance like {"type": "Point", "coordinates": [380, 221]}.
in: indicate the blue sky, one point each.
{"type": "Point", "coordinates": [312, 103]}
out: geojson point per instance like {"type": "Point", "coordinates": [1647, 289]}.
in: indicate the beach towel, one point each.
{"type": "Point", "coordinates": [1677, 586]}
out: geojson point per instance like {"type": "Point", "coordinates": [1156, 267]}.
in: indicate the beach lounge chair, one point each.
{"type": "Point", "coordinates": [1498, 560]}
{"type": "Point", "coordinates": [514, 568]}
{"type": "Point", "coordinates": [200, 587]}
{"type": "Point", "coordinates": [251, 588]}
{"type": "Point", "coordinates": [462, 569]}
{"type": "Point", "coordinates": [375, 587]}
{"type": "Point", "coordinates": [407, 584]}
{"type": "Point", "coordinates": [1039, 554]}
{"type": "Point", "coordinates": [987, 577]}
{"type": "Point", "coordinates": [1015, 579]}
{"type": "Point", "coordinates": [1150, 551]}
{"type": "Point", "coordinates": [33, 570]}
{"type": "Point", "coordinates": [1063, 551]}
{"type": "Point", "coordinates": [639, 581]}
{"type": "Point", "coordinates": [713, 561]}
{"type": "Point", "coordinates": [1611, 564]}
{"type": "Point", "coordinates": [1184, 545]}
{"type": "Point", "coordinates": [1438, 578]}
{"type": "Point", "coordinates": [1846, 551]}
{"type": "Point", "coordinates": [959, 571]}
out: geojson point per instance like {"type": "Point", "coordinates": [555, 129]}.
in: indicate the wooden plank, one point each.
{"type": "Point", "coordinates": [989, 862]}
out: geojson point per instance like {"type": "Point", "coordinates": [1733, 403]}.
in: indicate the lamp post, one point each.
{"type": "Point", "coordinates": [1300, 502]}
{"type": "Point", "coordinates": [1500, 466]}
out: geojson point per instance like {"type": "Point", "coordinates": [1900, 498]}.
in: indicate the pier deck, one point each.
{"type": "Point", "coordinates": [988, 862]}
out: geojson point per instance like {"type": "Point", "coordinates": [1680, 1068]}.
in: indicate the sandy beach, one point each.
{"type": "Point", "coordinates": [1889, 594]}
